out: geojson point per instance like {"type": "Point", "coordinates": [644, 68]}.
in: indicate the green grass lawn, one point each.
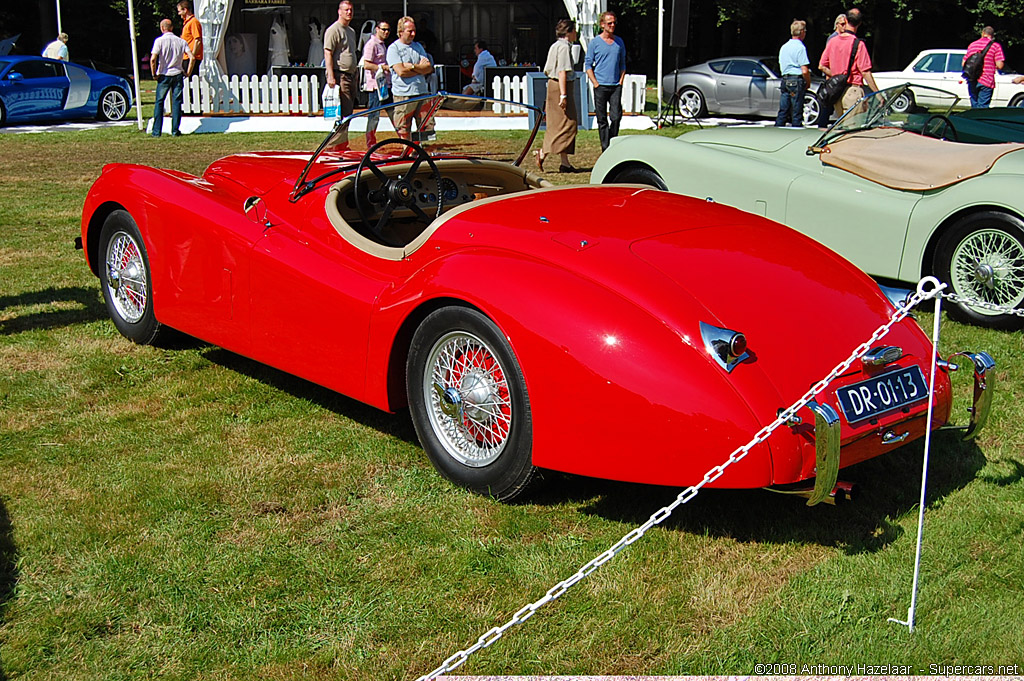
{"type": "Point", "coordinates": [185, 513]}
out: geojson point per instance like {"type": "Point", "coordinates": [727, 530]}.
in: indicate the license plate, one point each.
{"type": "Point", "coordinates": [882, 394]}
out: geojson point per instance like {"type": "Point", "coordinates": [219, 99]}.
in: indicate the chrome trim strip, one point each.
{"type": "Point", "coordinates": [826, 451]}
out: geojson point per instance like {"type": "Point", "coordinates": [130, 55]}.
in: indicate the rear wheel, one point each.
{"type": "Point", "coordinates": [113, 105]}
{"type": "Point", "coordinates": [126, 279]}
{"type": "Point", "coordinates": [637, 174]}
{"type": "Point", "coordinates": [904, 103]}
{"type": "Point", "coordinates": [469, 403]}
{"type": "Point", "coordinates": [1018, 100]}
{"type": "Point", "coordinates": [982, 258]}
{"type": "Point", "coordinates": [690, 102]}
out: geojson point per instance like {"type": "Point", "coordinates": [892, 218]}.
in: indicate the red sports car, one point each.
{"type": "Point", "coordinates": [611, 331]}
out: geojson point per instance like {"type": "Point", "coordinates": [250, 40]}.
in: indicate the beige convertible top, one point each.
{"type": "Point", "coordinates": [910, 160]}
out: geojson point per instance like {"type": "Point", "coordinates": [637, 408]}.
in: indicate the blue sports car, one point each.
{"type": "Point", "coordinates": [37, 89]}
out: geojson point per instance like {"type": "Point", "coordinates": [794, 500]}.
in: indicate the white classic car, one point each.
{"type": "Point", "coordinates": [942, 69]}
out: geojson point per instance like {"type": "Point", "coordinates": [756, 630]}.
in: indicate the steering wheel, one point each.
{"type": "Point", "coordinates": [394, 192]}
{"type": "Point", "coordinates": [947, 131]}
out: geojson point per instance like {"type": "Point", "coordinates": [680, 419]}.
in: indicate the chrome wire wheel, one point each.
{"type": "Point", "coordinates": [126, 280]}
{"type": "Point", "coordinates": [113, 105]}
{"type": "Point", "coordinates": [469, 404]}
{"type": "Point", "coordinates": [988, 265]}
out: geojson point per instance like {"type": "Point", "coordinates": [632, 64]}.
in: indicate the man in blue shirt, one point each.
{"type": "Point", "coordinates": [605, 65]}
{"type": "Point", "coordinates": [410, 66]}
{"type": "Point", "coordinates": [796, 76]}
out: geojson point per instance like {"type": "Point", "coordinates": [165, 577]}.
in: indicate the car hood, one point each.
{"type": "Point", "coordinates": [259, 171]}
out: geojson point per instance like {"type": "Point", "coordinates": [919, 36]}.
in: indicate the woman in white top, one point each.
{"type": "Point", "coordinates": [560, 105]}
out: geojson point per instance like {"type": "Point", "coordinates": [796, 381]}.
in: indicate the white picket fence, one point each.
{"type": "Point", "coordinates": [253, 94]}
{"type": "Point", "coordinates": [301, 94]}
{"type": "Point", "coordinates": [516, 89]}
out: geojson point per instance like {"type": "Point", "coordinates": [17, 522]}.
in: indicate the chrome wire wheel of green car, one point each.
{"type": "Point", "coordinates": [469, 403]}
{"type": "Point", "coordinates": [982, 258]}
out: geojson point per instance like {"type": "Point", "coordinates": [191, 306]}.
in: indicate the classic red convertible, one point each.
{"type": "Point", "coordinates": [611, 331]}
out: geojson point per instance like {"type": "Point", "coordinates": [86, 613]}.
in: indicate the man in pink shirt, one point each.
{"type": "Point", "coordinates": [981, 89]}
{"type": "Point", "coordinates": [836, 59]}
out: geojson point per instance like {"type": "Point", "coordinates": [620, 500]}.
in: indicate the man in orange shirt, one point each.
{"type": "Point", "coordinates": [191, 33]}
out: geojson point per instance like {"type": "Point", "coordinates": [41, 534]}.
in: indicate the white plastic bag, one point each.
{"type": "Point", "coordinates": [332, 102]}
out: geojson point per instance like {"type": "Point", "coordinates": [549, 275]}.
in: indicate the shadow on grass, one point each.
{"type": "Point", "coordinates": [889, 485]}
{"type": "Point", "coordinates": [8, 569]}
{"type": "Point", "coordinates": [86, 306]}
{"type": "Point", "coordinates": [889, 489]}
{"type": "Point", "coordinates": [396, 425]}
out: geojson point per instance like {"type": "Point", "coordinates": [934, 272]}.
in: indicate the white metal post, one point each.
{"type": "Point", "coordinates": [135, 62]}
{"type": "Point", "coordinates": [59, 28]}
{"type": "Point", "coordinates": [661, 51]}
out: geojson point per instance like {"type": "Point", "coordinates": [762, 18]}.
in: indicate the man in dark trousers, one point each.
{"type": "Point", "coordinates": [981, 90]}
{"type": "Point", "coordinates": [605, 65]}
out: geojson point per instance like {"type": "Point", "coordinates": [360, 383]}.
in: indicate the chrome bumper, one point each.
{"type": "Point", "coordinates": [984, 388]}
{"type": "Point", "coordinates": [826, 451]}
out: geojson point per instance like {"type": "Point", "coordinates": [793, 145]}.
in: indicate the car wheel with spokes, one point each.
{"type": "Point", "coordinates": [113, 105]}
{"type": "Point", "coordinates": [904, 103]}
{"type": "Point", "coordinates": [126, 279]}
{"type": "Point", "coordinates": [982, 258]}
{"type": "Point", "coordinates": [812, 110]}
{"type": "Point", "coordinates": [690, 102]}
{"type": "Point", "coordinates": [469, 403]}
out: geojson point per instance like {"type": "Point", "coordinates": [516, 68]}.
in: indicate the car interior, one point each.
{"type": "Point", "coordinates": [392, 207]}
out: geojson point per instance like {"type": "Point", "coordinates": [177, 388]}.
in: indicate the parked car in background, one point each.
{"type": "Point", "coordinates": [614, 332]}
{"type": "Point", "coordinates": [120, 71]}
{"type": "Point", "coordinates": [40, 89]}
{"type": "Point", "coordinates": [734, 85]}
{"type": "Point", "coordinates": [943, 69]}
{"type": "Point", "coordinates": [892, 192]}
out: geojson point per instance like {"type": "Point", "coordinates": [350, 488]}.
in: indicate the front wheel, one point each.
{"type": "Point", "coordinates": [126, 279]}
{"type": "Point", "coordinates": [637, 174]}
{"type": "Point", "coordinates": [982, 258]}
{"type": "Point", "coordinates": [1018, 100]}
{"type": "Point", "coordinates": [812, 110]}
{"type": "Point", "coordinates": [691, 102]}
{"type": "Point", "coordinates": [469, 403]}
{"type": "Point", "coordinates": [113, 105]}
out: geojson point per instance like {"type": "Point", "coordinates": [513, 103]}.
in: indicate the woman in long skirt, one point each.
{"type": "Point", "coordinates": [560, 105]}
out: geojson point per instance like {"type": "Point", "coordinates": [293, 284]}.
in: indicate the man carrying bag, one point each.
{"type": "Point", "coordinates": [844, 88]}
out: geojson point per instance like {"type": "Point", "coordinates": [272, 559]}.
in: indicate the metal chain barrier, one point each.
{"type": "Point", "coordinates": [974, 302]}
{"type": "Point", "coordinates": [927, 288]}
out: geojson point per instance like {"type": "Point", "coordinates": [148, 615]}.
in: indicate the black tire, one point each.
{"type": "Point", "coordinates": [3, 115]}
{"type": "Point", "coordinates": [813, 110]}
{"type": "Point", "coordinates": [1017, 101]}
{"type": "Point", "coordinates": [904, 103]}
{"type": "Point", "coordinates": [982, 257]}
{"type": "Point", "coordinates": [458, 361]}
{"type": "Point", "coordinates": [690, 102]}
{"type": "Point", "coordinates": [113, 105]}
{"type": "Point", "coordinates": [125, 279]}
{"type": "Point", "coordinates": [637, 174]}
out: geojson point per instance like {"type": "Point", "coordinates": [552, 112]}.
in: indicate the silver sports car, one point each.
{"type": "Point", "coordinates": [734, 85]}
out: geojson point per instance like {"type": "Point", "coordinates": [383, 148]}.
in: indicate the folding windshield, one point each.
{"type": "Point", "coordinates": [443, 124]}
{"type": "Point", "coordinates": [877, 110]}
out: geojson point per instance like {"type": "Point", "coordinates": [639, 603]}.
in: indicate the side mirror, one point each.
{"type": "Point", "coordinates": [256, 210]}
{"type": "Point", "coordinates": [15, 76]}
